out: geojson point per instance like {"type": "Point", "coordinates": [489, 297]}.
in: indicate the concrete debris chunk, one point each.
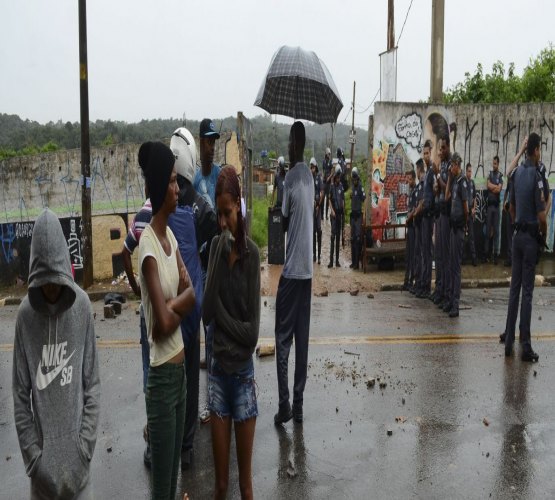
{"type": "Point", "coordinates": [265, 350]}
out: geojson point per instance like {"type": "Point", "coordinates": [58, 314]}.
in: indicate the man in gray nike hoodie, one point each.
{"type": "Point", "coordinates": [55, 385]}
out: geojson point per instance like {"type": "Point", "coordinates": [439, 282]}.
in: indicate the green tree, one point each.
{"type": "Point", "coordinates": [537, 83]}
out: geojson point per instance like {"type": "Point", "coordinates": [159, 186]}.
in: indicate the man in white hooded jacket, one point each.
{"type": "Point", "coordinates": [55, 385]}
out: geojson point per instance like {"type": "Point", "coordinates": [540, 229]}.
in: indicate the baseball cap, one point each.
{"type": "Point", "coordinates": [208, 129]}
{"type": "Point", "coordinates": [313, 161]}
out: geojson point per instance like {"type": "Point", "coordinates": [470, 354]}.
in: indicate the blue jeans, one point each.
{"type": "Point", "coordinates": [232, 395]}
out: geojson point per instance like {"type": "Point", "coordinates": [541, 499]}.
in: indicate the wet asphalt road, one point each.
{"type": "Point", "coordinates": [446, 378]}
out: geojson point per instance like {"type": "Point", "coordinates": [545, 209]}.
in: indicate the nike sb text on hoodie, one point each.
{"type": "Point", "coordinates": [56, 387]}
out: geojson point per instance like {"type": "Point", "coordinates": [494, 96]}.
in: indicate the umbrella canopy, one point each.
{"type": "Point", "coordinates": [298, 84]}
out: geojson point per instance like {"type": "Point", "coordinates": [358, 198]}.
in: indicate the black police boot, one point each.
{"type": "Point", "coordinates": [529, 355]}
{"type": "Point", "coordinates": [454, 312]}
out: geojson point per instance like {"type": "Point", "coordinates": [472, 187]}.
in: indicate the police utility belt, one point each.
{"type": "Point", "coordinates": [532, 229]}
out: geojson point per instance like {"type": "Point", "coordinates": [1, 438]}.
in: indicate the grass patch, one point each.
{"type": "Point", "coordinates": [259, 224]}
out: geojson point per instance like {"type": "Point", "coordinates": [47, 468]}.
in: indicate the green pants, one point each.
{"type": "Point", "coordinates": [165, 409]}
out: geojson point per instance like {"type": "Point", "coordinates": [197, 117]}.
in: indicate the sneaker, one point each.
{"type": "Point", "coordinates": [502, 338]}
{"type": "Point", "coordinates": [186, 459]}
{"type": "Point", "coordinates": [529, 355]}
{"type": "Point", "coordinates": [147, 457]}
{"type": "Point", "coordinates": [298, 414]}
{"type": "Point", "coordinates": [283, 415]}
{"type": "Point", "coordinates": [204, 416]}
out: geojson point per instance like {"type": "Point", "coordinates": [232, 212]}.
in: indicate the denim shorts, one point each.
{"type": "Point", "coordinates": [232, 395]}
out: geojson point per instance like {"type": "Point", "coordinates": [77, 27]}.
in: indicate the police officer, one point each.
{"type": "Point", "coordinates": [495, 185]}
{"type": "Point", "coordinates": [357, 202]}
{"type": "Point", "coordinates": [318, 199]}
{"type": "Point", "coordinates": [471, 199]}
{"type": "Point", "coordinates": [457, 194]}
{"type": "Point", "coordinates": [426, 212]}
{"type": "Point", "coordinates": [337, 206]}
{"type": "Point", "coordinates": [418, 265]}
{"type": "Point", "coordinates": [411, 234]}
{"type": "Point", "coordinates": [344, 181]}
{"type": "Point", "coordinates": [443, 259]}
{"type": "Point", "coordinates": [527, 208]}
{"type": "Point", "coordinates": [327, 171]}
{"type": "Point", "coordinates": [278, 182]}
{"type": "Point", "coordinates": [509, 227]}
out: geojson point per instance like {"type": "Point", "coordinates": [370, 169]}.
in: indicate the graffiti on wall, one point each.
{"type": "Point", "coordinates": [477, 133]}
{"type": "Point", "coordinates": [108, 234]}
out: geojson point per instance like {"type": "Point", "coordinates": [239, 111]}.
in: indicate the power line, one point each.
{"type": "Point", "coordinates": [368, 107]}
{"type": "Point", "coordinates": [403, 27]}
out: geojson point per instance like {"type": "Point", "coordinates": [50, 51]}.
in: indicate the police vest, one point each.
{"type": "Point", "coordinates": [528, 194]}
{"type": "Point", "coordinates": [495, 178]}
{"type": "Point", "coordinates": [459, 194]}
{"type": "Point", "coordinates": [358, 199]}
{"type": "Point", "coordinates": [318, 186]}
{"type": "Point", "coordinates": [337, 197]}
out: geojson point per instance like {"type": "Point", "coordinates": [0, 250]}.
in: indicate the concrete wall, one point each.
{"type": "Point", "coordinates": [28, 184]}
{"type": "Point", "coordinates": [477, 133]}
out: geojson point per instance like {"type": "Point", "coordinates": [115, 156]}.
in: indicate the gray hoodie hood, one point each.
{"type": "Point", "coordinates": [50, 263]}
{"type": "Point", "coordinates": [55, 384]}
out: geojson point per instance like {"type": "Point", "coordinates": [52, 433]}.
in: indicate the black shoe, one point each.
{"type": "Point", "coordinates": [474, 263]}
{"type": "Point", "coordinates": [447, 307]}
{"type": "Point", "coordinates": [318, 261]}
{"type": "Point", "coordinates": [314, 258]}
{"type": "Point", "coordinates": [337, 264]}
{"type": "Point", "coordinates": [454, 312]}
{"type": "Point", "coordinates": [298, 414]}
{"type": "Point", "coordinates": [186, 459]}
{"type": "Point", "coordinates": [508, 349]}
{"type": "Point", "coordinates": [330, 265]}
{"type": "Point", "coordinates": [147, 457]}
{"type": "Point", "coordinates": [351, 265]}
{"type": "Point", "coordinates": [283, 415]}
{"type": "Point", "coordinates": [529, 355]}
{"type": "Point", "coordinates": [438, 299]}
{"type": "Point", "coordinates": [404, 288]}
{"type": "Point", "coordinates": [502, 338]}
{"type": "Point", "coordinates": [507, 263]}
{"type": "Point", "coordinates": [413, 290]}
{"type": "Point", "coordinates": [495, 260]}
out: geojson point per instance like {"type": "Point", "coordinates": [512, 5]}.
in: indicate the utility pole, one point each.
{"type": "Point", "coordinates": [390, 25]}
{"type": "Point", "coordinates": [352, 138]}
{"type": "Point", "coordinates": [436, 70]}
{"type": "Point", "coordinates": [86, 216]}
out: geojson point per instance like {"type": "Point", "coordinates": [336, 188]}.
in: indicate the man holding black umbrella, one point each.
{"type": "Point", "coordinates": [295, 285]}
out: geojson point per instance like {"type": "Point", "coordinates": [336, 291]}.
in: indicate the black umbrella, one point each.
{"type": "Point", "coordinates": [298, 84]}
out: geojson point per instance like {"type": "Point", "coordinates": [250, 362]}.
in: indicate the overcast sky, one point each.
{"type": "Point", "coordinates": [208, 58]}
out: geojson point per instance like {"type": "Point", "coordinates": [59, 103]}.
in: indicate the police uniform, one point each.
{"type": "Point", "coordinates": [492, 223]}
{"type": "Point", "coordinates": [457, 220]}
{"type": "Point", "coordinates": [410, 242]}
{"type": "Point", "coordinates": [527, 196]}
{"type": "Point", "coordinates": [509, 227]}
{"type": "Point", "coordinates": [326, 170]}
{"type": "Point", "coordinates": [426, 230]}
{"type": "Point", "coordinates": [317, 227]}
{"type": "Point", "coordinates": [442, 260]}
{"type": "Point", "coordinates": [471, 196]}
{"type": "Point", "coordinates": [417, 255]}
{"type": "Point", "coordinates": [337, 199]}
{"type": "Point", "coordinates": [357, 202]}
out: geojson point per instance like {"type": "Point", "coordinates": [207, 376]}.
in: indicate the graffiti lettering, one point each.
{"type": "Point", "coordinates": [24, 229]}
{"type": "Point", "coordinates": [409, 128]}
